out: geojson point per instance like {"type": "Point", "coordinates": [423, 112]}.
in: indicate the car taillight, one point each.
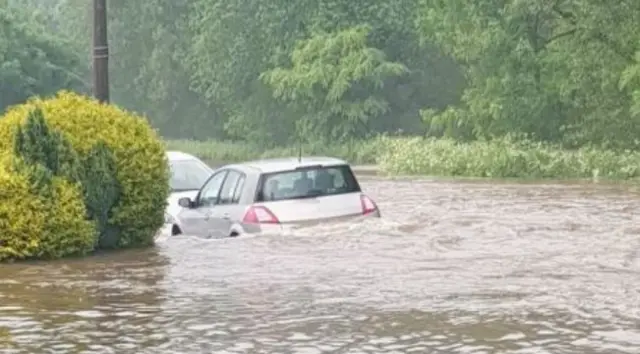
{"type": "Point", "coordinates": [259, 215]}
{"type": "Point", "coordinates": [368, 205]}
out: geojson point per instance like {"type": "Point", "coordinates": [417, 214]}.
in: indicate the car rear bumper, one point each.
{"type": "Point", "coordinates": [279, 228]}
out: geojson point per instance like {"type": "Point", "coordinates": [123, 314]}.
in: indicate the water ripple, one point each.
{"type": "Point", "coordinates": [453, 267]}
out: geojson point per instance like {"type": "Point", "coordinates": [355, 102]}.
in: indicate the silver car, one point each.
{"type": "Point", "coordinates": [274, 194]}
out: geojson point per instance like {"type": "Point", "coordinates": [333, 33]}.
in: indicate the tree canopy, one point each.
{"type": "Point", "coordinates": [564, 71]}
{"type": "Point", "coordinates": [32, 62]}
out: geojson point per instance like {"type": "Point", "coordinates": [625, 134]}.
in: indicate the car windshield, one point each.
{"type": "Point", "coordinates": [188, 175]}
{"type": "Point", "coordinates": [309, 182]}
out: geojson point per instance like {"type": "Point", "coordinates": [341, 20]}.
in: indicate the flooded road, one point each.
{"type": "Point", "coordinates": [452, 267]}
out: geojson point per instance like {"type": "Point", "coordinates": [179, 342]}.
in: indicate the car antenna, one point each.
{"type": "Point", "coordinates": [299, 151]}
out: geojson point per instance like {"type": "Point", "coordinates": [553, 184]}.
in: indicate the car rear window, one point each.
{"type": "Point", "coordinates": [307, 182]}
{"type": "Point", "coordinates": [188, 175]}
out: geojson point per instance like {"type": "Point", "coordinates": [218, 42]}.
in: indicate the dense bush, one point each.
{"type": "Point", "coordinates": [111, 159]}
{"type": "Point", "coordinates": [503, 158]}
{"type": "Point", "coordinates": [20, 235]}
{"type": "Point", "coordinates": [49, 154]}
{"type": "Point", "coordinates": [40, 221]}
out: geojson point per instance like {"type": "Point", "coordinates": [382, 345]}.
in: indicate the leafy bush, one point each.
{"type": "Point", "coordinates": [128, 209]}
{"type": "Point", "coordinates": [503, 158]}
{"type": "Point", "coordinates": [22, 218]}
{"type": "Point", "coordinates": [35, 225]}
{"type": "Point", "coordinates": [50, 154]}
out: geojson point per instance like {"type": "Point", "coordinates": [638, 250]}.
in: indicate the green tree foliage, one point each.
{"type": "Point", "coordinates": [631, 80]}
{"type": "Point", "coordinates": [32, 62]}
{"type": "Point", "coordinates": [194, 67]}
{"type": "Point", "coordinates": [149, 40]}
{"type": "Point", "coordinates": [563, 71]}
{"type": "Point", "coordinates": [549, 69]}
{"type": "Point", "coordinates": [235, 42]}
{"type": "Point", "coordinates": [335, 83]}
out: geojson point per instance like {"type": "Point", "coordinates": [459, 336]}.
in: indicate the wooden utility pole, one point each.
{"type": "Point", "coordinates": [100, 51]}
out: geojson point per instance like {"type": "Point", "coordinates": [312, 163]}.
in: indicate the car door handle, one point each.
{"type": "Point", "coordinates": [226, 216]}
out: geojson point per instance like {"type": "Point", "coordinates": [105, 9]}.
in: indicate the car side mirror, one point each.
{"type": "Point", "coordinates": [185, 202]}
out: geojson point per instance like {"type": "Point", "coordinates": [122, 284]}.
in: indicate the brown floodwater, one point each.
{"type": "Point", "coordinates": [452, 267]}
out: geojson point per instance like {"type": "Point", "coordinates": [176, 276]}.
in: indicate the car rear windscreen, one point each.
{"type": "Point", "coordinates": [188, 175]}
{"type": "Point", "coordinates": [307, 182]}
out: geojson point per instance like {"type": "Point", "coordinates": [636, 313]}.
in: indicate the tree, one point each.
{"type": "Point", "coordinates": [235, 42]}
{"type": "Point", "coordinates": [335, 83]}
{"type": "Point", "coordinates": [32, 62]}
{"type": "Point", "coordinates": [550, 69]}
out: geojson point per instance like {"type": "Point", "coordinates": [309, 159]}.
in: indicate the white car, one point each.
{"type": "Point", "coordinates": [188, 174]}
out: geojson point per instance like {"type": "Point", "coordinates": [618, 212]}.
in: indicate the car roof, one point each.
{"type": "Point", "coordinates": [287, 163]}
{"type": "Point", "coordinates": [180, 156]}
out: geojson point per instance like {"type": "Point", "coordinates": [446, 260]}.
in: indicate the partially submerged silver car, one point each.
{"type": "Point", "coordinates": [274, 194]}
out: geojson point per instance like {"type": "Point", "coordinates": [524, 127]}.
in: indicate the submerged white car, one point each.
{"type": "Point", "coordinates": [188, 175]}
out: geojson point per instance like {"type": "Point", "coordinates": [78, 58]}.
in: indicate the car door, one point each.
{"type": "Point", "coordinates": [197, 220]}
{"type": "Point", "coordinates": [225, 213]}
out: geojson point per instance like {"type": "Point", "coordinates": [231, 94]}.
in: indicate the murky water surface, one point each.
{"type": "Point", "coordinates": [451, 268]}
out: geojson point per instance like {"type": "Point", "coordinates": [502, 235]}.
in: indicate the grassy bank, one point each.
{"type": "Point", "coordinates": [502, 158]}
{"type": "Point", "coordinates": [356, 152]}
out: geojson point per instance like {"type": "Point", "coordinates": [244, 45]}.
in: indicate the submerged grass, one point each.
{"type": "Point", "coordinates": [499, 158]}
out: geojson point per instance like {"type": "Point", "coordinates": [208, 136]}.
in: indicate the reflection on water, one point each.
{"type": "Point", "coordinates": [451, 268]}
{"type": "Point", "coordinates": [79, 305]}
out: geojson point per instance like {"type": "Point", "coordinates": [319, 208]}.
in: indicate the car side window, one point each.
{"type": "Point", "coordinates": [228, 189]}
{"type": "Point", "coordinates": [239, 188]}
{"type": "Point", "coordinates": [211, 191]}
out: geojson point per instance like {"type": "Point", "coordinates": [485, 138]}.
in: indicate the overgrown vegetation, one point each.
{"type": "Point", "coordinates": [358, 152]}
{"type": "Point", "coordinates": [565, 74]}
{"type": "Point", "coordinates": [504, 158]}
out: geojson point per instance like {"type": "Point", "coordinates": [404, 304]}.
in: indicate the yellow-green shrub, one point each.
{"type": "Point", "coordinates": [138, 152]}
{"type": "Point", "coordinates": [35, 227]}
{"type": "Point", "coordinates": [22, 217]}
{"type": "Point", "coordinates": [66, 229]}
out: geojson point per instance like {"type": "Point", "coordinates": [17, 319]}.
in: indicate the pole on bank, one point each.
{"type": "Point", "coordinates": [100, 52]}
